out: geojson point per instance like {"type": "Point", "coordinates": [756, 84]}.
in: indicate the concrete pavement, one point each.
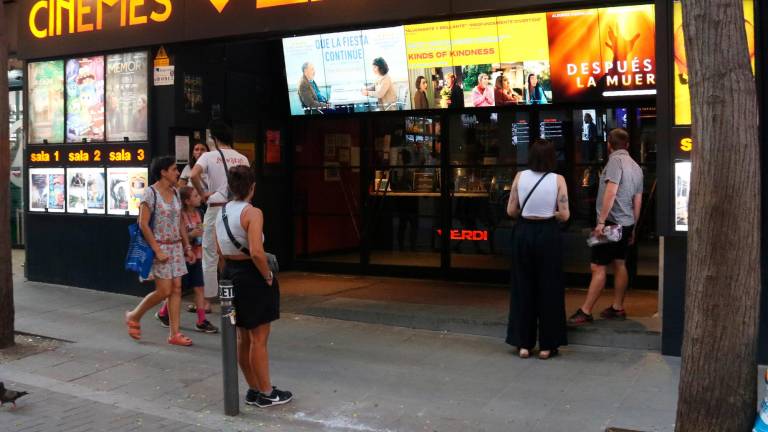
{"type": "Point", "coordinates": [347, 376]}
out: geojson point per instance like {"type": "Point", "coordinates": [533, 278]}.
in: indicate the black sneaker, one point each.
{"type": "Point", "coordinates": [251, 396]}
{"type": "Point", "coordinates": [206, 327]}
{"type": "Point", "coordinates": [277, 397]}
{"type": "Point", "coordinates": [611, 313]}
{"type": "Point", "coordinates": [579, 318]}
{"type": "Point", "coordinates": [163, 320]}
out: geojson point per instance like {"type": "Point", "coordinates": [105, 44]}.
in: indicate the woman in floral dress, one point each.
{"type": "Point", "coordinates": [160, 222]}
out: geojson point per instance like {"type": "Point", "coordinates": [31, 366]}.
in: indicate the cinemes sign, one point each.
{"type": "Point", "coordinates": [50, 18]}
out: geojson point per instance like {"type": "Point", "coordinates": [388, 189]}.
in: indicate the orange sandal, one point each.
{"type": "Point", "coordinates": [180, 340]}
{"type": "Point", "coordinates": [134, 328]}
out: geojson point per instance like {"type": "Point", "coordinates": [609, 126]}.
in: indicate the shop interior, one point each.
{"type": "Point", "coordinates": [380, 191]}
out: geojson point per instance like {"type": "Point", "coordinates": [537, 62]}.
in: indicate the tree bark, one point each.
{"type": "Point", "coordinates": [7, 315]}
{"type": "Point", "coordinates": [717, 383]}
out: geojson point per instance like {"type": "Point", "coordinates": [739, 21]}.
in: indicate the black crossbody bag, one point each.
{"type": "Point", "coordinates": [274, 266]}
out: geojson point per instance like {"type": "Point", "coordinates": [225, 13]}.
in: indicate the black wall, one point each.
{"type": "Point", "coordinates": [246, 81]}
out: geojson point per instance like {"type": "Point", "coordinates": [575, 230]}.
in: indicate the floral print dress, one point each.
{"type": "Point", "coordinates": [166, 231]}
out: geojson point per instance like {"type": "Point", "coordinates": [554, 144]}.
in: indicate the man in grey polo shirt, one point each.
{"type": "Point", "coordinates": [618, 203]}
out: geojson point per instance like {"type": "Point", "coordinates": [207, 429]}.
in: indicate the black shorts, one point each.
{"type": "Point", "coordinates": [194, 276]}
{"type": "Point", "coordinates": [256, 303]}
{"type": "Point", "coordinates": [607, 253]}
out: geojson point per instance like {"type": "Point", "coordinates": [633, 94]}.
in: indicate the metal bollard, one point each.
{"type": "Point", "coordinates": [229, 348]}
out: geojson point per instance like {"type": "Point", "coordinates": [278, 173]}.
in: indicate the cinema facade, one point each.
{"type": "Point", "coordinates": [407, 182]}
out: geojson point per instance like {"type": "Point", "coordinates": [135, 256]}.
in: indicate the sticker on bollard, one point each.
{"type": "Point", "coordinates": [229, 348]}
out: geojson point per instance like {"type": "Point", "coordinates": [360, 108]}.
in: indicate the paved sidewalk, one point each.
{"type": "Point", "coordinates": [346, 376]}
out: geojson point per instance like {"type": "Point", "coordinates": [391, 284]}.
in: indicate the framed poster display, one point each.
{"type": "Point", "coordinates": [86, 190]}
{"type": "Point", "coordinates": [46, 190]}
{"type": "Point", "coordinates": [125, 189]}
{"type": "Point", "coordinates": [682, 194]}
{"type": "Point", "coordinates": [46, 102]}
{"type": "Point", "coordinates": [85, 99]}
{"type": "Point", "coordinates": [127, 83]}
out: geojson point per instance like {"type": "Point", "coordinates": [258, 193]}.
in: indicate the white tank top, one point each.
{"type": "Point", "coordinates": [234, 211]}
{"type": "Point", "coordinates": [543, 201]}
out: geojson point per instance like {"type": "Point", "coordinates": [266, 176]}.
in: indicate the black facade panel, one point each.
{"type": "Point", "coordinates": [81, 251]}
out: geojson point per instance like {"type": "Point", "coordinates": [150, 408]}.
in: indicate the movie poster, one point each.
{"type": "Point", "coordinates": [86, 188]}
{"type": "Point", "coordinates": [85, 99]}
{"type": "Point", "coordinates": [682, 194]}
{"type": "Point", "coordinates": [127, 96]}
{"type": "Point", "coordinates": [193, 93]}
{"type": "Point", "coordinates": [475, 48]}
{"type": "Point", "coordinates": [682, 92]}
{"type": "Point", "coordinates": [597, 53]}
{"type": "Point", "coordinates": [305, 70]}
{"type": "Point", "coordinates": [125, 189]}
{"type": "Point", "coordinates": [428, 51]}
{"type": "Point", "coordinates": [523, 74]}
{"type": "Point", "coordinates": [46, 102]}
{"type": "Point", "coordinates": [386, 46]}
{"type": "Point", "coordinates": [46, 190]}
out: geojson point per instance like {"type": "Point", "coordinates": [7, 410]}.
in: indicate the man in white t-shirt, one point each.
{"type": "Point", "coordinates": [211, 165]}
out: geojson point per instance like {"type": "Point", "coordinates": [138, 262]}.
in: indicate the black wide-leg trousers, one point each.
{"type": "Point", "coordinates": [537, 292]}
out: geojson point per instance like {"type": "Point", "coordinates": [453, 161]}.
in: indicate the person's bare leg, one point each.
{"type": "Point", "coordinates": [174, 306]}
{"type": "Point", "coordinates": [596, 286]}
{"type": "Point", "coordinates": [260, 357]}
{"type": "Point", "coordinates": [162, 291]}
{"type": "Point", "coordinates": [620, 283]}
{"type": "Point", "coordinates": [244, 357]}
{"type": "Point", "coordinates": [200, 302]}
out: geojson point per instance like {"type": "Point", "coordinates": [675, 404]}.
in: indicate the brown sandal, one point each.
{"type": "Point", "coordinates": [134, 328]}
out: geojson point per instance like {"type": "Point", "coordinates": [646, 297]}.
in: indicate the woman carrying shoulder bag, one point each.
{"type": "Point", "coordinates": [240, 237]}
{"type": "Point", "coordinates": [160, 222]}
{"type": "Point", "coordinates": [539, 199]}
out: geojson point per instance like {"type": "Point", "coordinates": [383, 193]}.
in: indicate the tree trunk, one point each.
{"type": "Point", "coordinates": [6, 280]}
{"type": "Point", "coordinates": [717, 382]}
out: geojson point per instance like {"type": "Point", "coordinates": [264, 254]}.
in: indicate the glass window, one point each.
{"type": "Point", "coordinates": [404, 191]}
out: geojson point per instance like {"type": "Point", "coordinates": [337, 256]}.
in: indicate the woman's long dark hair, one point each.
{"type": "Point", "coordinates": [193, 159]}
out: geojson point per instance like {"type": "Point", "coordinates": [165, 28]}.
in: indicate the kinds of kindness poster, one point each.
{"type": "Point", "coordinates": [682, 91]}
{"type": "Point", "coordinates": [580, 55]}
{"type": "Point", "coordinates": [46, 102]}
{"type": "Point", "coordinates": [127, 113]}
{"type": "Point", "coordinates": [85, 99]}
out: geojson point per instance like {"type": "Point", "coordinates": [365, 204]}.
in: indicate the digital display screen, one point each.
{"type": "Point", "coordinates": [86, 188]}
{"type": "Point", "coordinates": [579, 55]}
{"type": "Point", "coordinates": [125, 189]}
{"type": "Point", "coordinates": [127, 96]}
{"type": "Point", "coordinates": [682, 91]}
{"type": "Point", "coordinates": [46, 190]}
{"type": "Point", "coordinates": [85, 99]}
{"type": "Point", "coordinates": [46, 102]}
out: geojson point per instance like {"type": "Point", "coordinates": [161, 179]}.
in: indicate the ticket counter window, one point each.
{"type": "Point", "coordinates": [404, 201]}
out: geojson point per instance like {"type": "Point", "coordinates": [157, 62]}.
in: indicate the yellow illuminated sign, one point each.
{"type": "Point", "coordinates": [682, 91]}
{"type": "Point", "coordinates": [87, 155]}
{"type": "Point", "coordinates": [49, 18]}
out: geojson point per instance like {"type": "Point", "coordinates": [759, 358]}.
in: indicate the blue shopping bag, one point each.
{"type": "Point", "coordinates": [761, 423]}
{"type": "Point", "coordinates": [140, 255]}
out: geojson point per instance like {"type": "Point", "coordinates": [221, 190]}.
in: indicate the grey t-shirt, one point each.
{"type": "Point", "coordinates": [626, 173]}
